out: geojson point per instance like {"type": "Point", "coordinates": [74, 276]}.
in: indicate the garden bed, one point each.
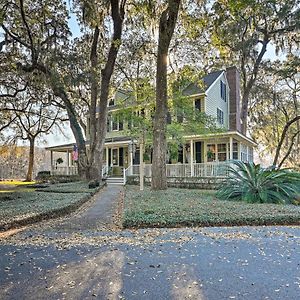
{"type": "Point", "coordinates": [19, 207]}
{"type": "Point", "coordinates": [183, 207]}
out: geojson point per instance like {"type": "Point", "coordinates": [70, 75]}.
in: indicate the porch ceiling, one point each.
{"type": "Point", "coordinates": [222, 135]}
{"type": "Point", "coordinates": [61, 148]}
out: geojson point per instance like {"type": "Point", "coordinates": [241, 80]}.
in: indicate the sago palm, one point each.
{"type": "Point", "coordinates": [252, 183]}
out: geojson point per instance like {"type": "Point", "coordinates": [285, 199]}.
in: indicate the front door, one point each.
{"type": "Point", "coordinates": [121, 157]}
{"type": "Point", "coordinates": [115, 156]}
{"type": "Point", "coordinates": [198, 146]}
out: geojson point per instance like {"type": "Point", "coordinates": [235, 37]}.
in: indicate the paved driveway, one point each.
{"type": "Point", "coordinates": [65, 259]}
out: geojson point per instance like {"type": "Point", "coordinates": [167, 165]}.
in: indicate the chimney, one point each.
{"type": "Point", "coordinates": [233, 78]}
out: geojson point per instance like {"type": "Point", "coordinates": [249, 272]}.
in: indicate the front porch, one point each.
{"type": "Point", "coordinates": [199, 156]}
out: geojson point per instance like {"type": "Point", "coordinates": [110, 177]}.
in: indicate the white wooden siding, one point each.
{"type": "Point", "coordinates": [213, 100]}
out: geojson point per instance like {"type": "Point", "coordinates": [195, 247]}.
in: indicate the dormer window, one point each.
{"type": "Point", "coordinates": [223, 88]}
{"type": "Point", "coordinates": [197, 104]}
{"type": "Point", "coordinates": [111, 102]}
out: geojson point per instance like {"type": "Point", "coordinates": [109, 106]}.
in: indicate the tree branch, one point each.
{"type": "Point", "coordinates": [283, 135]}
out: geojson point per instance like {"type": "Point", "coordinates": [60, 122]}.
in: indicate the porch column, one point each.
{"type": "Point", "coordinates": [111, 157]}
{"type": "Point", "coordinates": [68, 163]}
{"type": "Point", "coordinates": [231, 148]}
{"type": "Point", "coordinates": [130, 158]}
{"type": "Point", "coordinates": [247, 149]}
{"type": "Point", "coordinates": [204, 152]}
{"type": "Point", "coordinates": [107, 159]}
{"type": "Point", "coordinates": [51, 161]}
{"type": "Point", "coordinates": [141, 166]}
{"type": "Point", "coordinates": [192, 157]}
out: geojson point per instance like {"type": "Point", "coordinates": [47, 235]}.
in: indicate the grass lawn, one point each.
{"type": "Point", "coordinates": [22, 206]}
{"type": "Point", "coordinates": [182, 207]}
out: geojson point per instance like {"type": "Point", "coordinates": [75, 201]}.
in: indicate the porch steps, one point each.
{"type": "Point", "coordinates": [115, 181]}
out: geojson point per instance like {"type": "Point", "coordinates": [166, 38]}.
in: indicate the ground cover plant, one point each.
{"type": "Point", "coordinates": [70, 187]}
{"type": "Point", "coordinates": [21, 206]}
{"type": "Point", "coordinates": [183, 207]}
{"type": "Point", "coordinates": [252, 183]}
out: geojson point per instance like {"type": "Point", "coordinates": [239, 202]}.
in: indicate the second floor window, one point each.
{"type": "Point", "coordinates": [198, 104]}
{"type": "Point", "coordinates": [223, 90]}
{"type": "Point", "coordinates": [220, 116]}
{"type": "Point", "coordinates": [111, 102]}
{"type": "Point", "coordinates": [114, 124]}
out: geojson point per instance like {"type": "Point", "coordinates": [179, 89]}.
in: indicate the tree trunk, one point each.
{"type": "Point", "coordinates": [248, 85]}
{"type": "Point", "coordinates": [296, 135]}
{"type": "Point", "coordinates": [117, 13]}
{"type": "Point", "coordinates": [93, 170]}
{"type": "Point", "coordinates": [282, 138]}
{"type": "Point", "coordinates": [83, 170]}
{"type": "Point", "coordinates": [244, 111]}
{"type": "Point", "coordinates": [166, 28]}
{"type": "Point", "coordinates": [31, 159]}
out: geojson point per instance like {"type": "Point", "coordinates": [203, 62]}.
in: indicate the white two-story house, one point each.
{"type": "Point", "coordinates": [200, 154]}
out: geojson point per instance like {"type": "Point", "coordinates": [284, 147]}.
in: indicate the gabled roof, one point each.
{"type": "Point", "coordinates": [208, 80]}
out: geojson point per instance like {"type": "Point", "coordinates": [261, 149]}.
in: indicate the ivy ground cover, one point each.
{"type": "Point", "coordinates": [183, 207]}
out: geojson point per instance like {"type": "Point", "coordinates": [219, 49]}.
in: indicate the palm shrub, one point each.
{"type": "Point", "coordinates": [252, 183]}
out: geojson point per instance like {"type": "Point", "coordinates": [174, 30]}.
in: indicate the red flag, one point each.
{"type": "Point", "coordinates": [75, 153]}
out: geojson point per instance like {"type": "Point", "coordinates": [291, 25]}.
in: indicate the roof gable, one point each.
{"type": "Point", "coordinates": [208, 80]}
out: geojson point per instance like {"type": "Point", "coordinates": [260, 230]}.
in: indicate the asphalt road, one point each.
{"type": "Point", "coordinates": [49, 261]}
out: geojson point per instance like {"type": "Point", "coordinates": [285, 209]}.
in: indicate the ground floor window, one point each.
{"type": "Point", "coordinates": [235, 153]}
{"type": "Point", "coordinates": [250, 154]}
{"type": "Point", "coordinates": [222, 152]}
{"type": "Point", "coordinates": [211, 152]}
{"type": "Point", "coordinates": [244, 153]}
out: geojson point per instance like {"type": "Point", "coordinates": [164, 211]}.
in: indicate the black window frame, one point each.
{"type": "Point", "coordinates": [223, 90]}
{"type": "Point", "coordinates": [220, 116]}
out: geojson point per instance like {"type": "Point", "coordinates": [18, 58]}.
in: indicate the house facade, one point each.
{"type": "Point", "coordinates": [199, 154]}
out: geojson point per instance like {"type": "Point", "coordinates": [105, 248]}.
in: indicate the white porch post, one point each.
{"type": "Point", "coordinates": [107, 159]}
{"type": "Point", "coordinates": [68, 163]}
{"type": "Point", "coordinates": [247, 149]}
{"type": "Point", "coordinates": [205, 158]}
{"type": "Point", "coordinates": [130, 158]}
{"type": "Point", "coordinates": [111, 157]}
{"type": "Point", "coordinates": [141, 167]}
{"type": "Point", "coordinates": [51, 161]}
{"type": "Point", "coordinates": [192, 157]}
{"type": "Point", "coordinates": [231, 148]}
{"type": "Point", "coordinates": [131, 162]}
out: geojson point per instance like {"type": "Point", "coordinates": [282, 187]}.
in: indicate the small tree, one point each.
{"type": "Point", "coordinates": [34, 116]}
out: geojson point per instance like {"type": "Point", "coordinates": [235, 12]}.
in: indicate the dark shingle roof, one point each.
{"type": "Point", "coordinates": [208, 80]}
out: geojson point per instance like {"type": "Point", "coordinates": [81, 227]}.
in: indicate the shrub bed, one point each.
{"type": "Point", "coordinates": [45, 176]}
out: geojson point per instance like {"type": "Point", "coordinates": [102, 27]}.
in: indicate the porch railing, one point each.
{"type": "Point", "coordinates": [72, 170]}
{"type": "Point", "coordinates": [210, 169]}
{"type": "Point", "coordinates": [104, 171]}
